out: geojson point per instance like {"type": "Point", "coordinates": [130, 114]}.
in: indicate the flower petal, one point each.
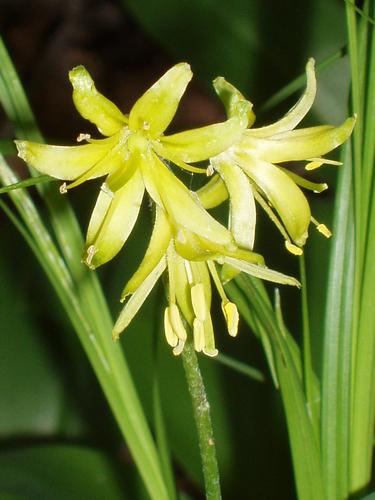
{"type": "Point", "coordinates": [242, 214]}
{"type": "Point", "coordinates": [213, 193]}
{"type": "Point", "coordinates": [137, 299]}
{"type": "Point", "coordinates": [92, 105]}
{"type": "Point", "coordinates": [182, 206]}
{"type": "Point", "coordinates": [202, 143]}
{"type": "Point", "coordinates": [298, 111]}
{"type": "Point", "coordinates": [295, 145]}
{"type": "Point", "coordinates": [284, 195]}
{"type": "Point", "coordinates": [159, 241]}
{"type": "Point", "coordinates": [262, 272]}
{"type": "Point", "coordinates": [231, 97]}
{"type": "Point", "coordinates": [61, 162]}
{"type": "Point", "coordinates": [117, 223]}
{"type": "Point", "coordinates": [154, 111]}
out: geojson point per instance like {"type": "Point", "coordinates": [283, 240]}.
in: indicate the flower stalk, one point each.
{"type": "Point", "coordinates": [202, 416]}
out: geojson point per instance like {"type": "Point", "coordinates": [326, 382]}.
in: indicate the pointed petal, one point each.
{"type": "Point", "coordinates": [92, 105]}
{"type": "Point", "coordinates": [231, 97]}
{"type": "Point", "coordinates": [159, 241]}
{"type": "Point", "coordinates": [61, 162]}
{"type": "Point", "coordinates": [117, 224]}
{"type": "Point", "coordinates": [102, 205]}
{"type": "Point", "coordinates": [294, 146]}
{"type": "Point", "coordinates": [284, 195]}
{"type": "Point", "coordinates": [183, 207]}
{"type": "Point", "coordinates": [137, 299]}
{"type": "Point", "coordinates": [113, 163]}
{"type": "Point", "coordinates": [213, 193]}
{"type": "Point", "coordinates": [242, 214]}
{"type": "Point", "coordinates": [154, 111]}
{"type": "Point", "coordinates": [298, 111]}
{"type": "Point", "coordinates": [262, 272]}
{"type": "Point", "coordinates": [201, 143]}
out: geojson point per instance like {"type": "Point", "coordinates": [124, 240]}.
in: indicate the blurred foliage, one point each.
{"type": "Point", "coordinates": [47, 390]}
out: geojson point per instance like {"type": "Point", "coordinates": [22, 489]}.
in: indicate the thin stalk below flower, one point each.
{"type": "Point", "coordinates": [202, 416]}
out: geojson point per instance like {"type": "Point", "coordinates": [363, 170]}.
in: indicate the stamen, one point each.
{"type": "Point", "coordinates": [63, 188]}
{"type": "Point", "coordinates": [322, 228]}
{"type": "Point", "coordinates": [83, 137]}
{"type": "Point", "coordinates": [318, 162]}
{"type": "Point", "coordinates": [179, 348]}
{"type": "Point", "coordinates": [176, 322]}
{"type": "Point", "coordinates": [293, 248]}
{"type": "Point", "coordinates": [90, 252]}
{"type": "Point", "coordinates": [198, 301]}
{"type": "Point", "coordinates": [198, 330]}
{"type": "Point", "coordinates": [170, 335]}
{"type": "Point", "coordinates": [231, 317]}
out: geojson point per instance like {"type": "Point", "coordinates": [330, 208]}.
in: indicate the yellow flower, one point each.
{"type": "Point", "coordinates": [189, 282]}
{"type": "Point", "coordinates": [133, 156]}
{"type": "Point", "coordinates": [251, 168]}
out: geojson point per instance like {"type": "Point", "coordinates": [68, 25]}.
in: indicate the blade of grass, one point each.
{"type": "Point", "coordinates": [26, 183]}
{"type": "Point", "coordinates": [362, 52]}
{"type": "Point", "coordinates": [240, 367]}
{"type": "Point", "coordinates": [304, 446]}
{"type": "Point", "coordinates": [335, 420]}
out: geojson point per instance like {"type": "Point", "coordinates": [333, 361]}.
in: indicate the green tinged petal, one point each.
{"type": "Point", "coordinates": [231, 97]}
{"type": "Point", "coordinates": [202, 143]}
{"type": "Point", "coordinates": [183, 208]}
{"type": "Point", "coordinates": [92, 105]}
{"type": "Point", "coordinates": [242, 213]}
{"type": "Point", "coordinates": [213, 193]}
{"type": "Point", "coordinates": [62, 162]}
{"type": "Point", "coordinates": [299, 110]}
{"type": "Point", "coordinates": [294, 145]}
{"type": "Point", "coordinates": [154, 111]}
{"type": "Point", "coordinates": [117, 223]}
{"type": "Point", "coordinates": [137, 299]}
{"type": "Point", "coordinates": [159, 241]}
{"type": "Point", "coordinates": [262, 272]}
{"type": "Point", "coordinates": [283, 194]}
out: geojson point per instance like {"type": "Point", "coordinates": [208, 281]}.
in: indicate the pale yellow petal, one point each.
{"type": "Point", "coordinates": [137, 299]}
{"type": "Point", "coordinates": [201, 143]}
{"type": "Point", "coordinates": [154, 111]}
{"type": "Point", "coordinates": [298, 111]}
{"type": "Point", "coordinates": [157, 247]}
{"type": "Point", "coordinates": [117, 224]}
{"type": "Point", "coordinates": [293, 146]}
{"type": "Point", "coordinates": [242, 213]}
{"type": "Point", "coordinates": [284, 195]}
{"type": "Point", "coordinates": [92, 105]}
{"type": "Point", "coordinates": [62, 162]}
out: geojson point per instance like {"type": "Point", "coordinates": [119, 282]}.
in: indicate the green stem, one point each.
{"type": "Point", "coordinates": [201, 408]}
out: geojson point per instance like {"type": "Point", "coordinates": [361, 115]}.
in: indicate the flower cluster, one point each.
{"type": "Point", "coordinates": [187, 243]}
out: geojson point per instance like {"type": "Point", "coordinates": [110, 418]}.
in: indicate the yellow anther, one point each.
{"type": "Point", "coordinates": [198, 301]}
{"type": "Point", "coordinates": [63, 189]}
{"type": "Point", "coordinates": [312, 165]}
{"type": "Point", "coordinates": [231, 317]}
{"type": "Point", "coordinates": [293, 248]}
{"type": "Point", "coordinates": [170, 335]}
{"type": "Point", "coordinates": [322, 228]}
{"type": "Point", "coordinates": [198, 330]}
